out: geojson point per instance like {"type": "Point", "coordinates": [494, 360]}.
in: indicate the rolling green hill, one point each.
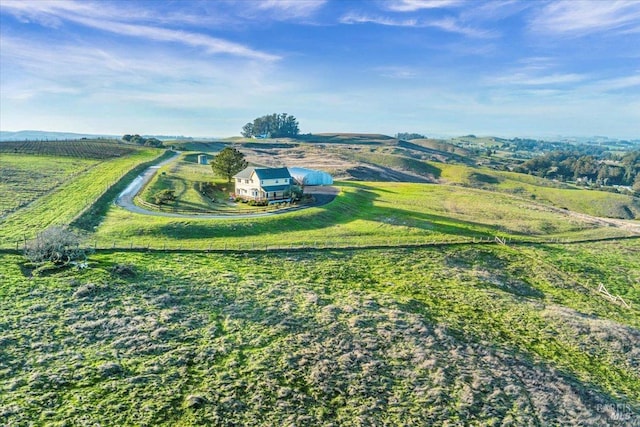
{"type": "Point", "coordinates": [481, 297]}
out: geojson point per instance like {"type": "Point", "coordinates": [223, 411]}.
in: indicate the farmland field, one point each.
{"type": "Point", "coordinates": [24, 178]}
{"type": "Point", "coordinates": [88, 149]}
{"type": "Point", "coordinates": [69, 199]}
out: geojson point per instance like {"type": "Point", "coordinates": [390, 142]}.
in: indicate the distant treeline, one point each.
{"type": "Point", "coordinates": [601, 167]}
{"type": "Point", "coordinates": [406, 136]}
{"type": "Point", "coordinates": [137, 139]}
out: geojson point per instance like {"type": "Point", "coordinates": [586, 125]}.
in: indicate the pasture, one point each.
{"type": "Point", "coordinates": [479, 335]}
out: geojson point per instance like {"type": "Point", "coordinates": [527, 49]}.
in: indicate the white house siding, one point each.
{"type": "Point", "coordinates": [253, 187]}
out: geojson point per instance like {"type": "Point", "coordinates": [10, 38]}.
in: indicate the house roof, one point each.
{"type": "Point", "coordinates": [263, 173]}
{"type": "Point", "coordinates": [272, 173]}
{"type": "Point", "coordinates": [245, 173]}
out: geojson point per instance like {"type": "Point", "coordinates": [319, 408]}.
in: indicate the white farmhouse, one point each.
{"type": "Point", "coordinates": [271, 184]}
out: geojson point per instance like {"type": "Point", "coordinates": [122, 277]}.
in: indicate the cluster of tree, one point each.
{"type": "Point", "coordinates": [140, 140]}
{"type": "Point", "coordinates": [272, 126]}
{"type": "Point", "coordinates": [569, 165]}
{"type": "Point", "coordinates": [406, 136]}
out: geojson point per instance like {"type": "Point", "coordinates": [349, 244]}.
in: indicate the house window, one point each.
{"type": "Point", "coordinates": [246, 181]}
{"type": "Point", "coordinates": [239, 181]}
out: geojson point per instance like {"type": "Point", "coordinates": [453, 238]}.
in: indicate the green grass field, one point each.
{"type": "Point", "coordinates": [185, 178]}
{"type": "Point", "coordinates": [469, 334]}
{"type": "Point", "coordinates": [70, 199]}
{"type": "Point", "coordinates": [476, 336]}
{"type": "Point", "coordinates": [590, 202]}
{"type": "Point", "coordinates": [363, 214]}
{"type": "Point", "coordinates": [25, 178]}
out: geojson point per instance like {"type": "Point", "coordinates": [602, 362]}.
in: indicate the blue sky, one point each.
{"type": "Point", "coordinates": [205, 68]}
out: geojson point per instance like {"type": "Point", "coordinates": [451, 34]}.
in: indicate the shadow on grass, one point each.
{"type": "Point", "coordinates": [357, 205]}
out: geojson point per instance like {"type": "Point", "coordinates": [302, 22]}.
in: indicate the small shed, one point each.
{"type": "Point", "coordinates": [202, 159]}
{"type": "Point", "coordinates": [310, 177]}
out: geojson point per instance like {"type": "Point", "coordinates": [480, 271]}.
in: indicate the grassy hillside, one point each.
{"type": "Point", "coordinates": [70, 199]}
{"type": "Point", "coordinates": [460, 334]}
{"type": "Point", "coordinates": [484, 336]}
{"type": "Point", "coordinates": [363, 214]}
{"type": "Point", "coordinates": [544, 191]}
{"type": "Point", "coordinates": [25, 178]}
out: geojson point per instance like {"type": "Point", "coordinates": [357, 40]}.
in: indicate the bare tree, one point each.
{"type": "Point", "coordinates": [55, 244]}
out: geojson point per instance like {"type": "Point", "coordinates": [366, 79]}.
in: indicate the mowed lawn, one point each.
{"type": "Point", "coordinates": [363, 214]}
{"type": "Point", "coordinates": [184, 177]}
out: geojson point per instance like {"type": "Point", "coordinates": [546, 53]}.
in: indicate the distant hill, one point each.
{"type": "Point", "coordinates": [45, 135]}
{"type": "Point", "coordinates": [39, 135]}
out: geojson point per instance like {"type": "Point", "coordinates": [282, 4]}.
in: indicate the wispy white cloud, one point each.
{"type": "Point", "coordinates": [415, 5]}
{"type": "Point", "coordinates": [616, 84]}
{"type": "Point", "coordinates": [124, 73]}
{"type": "Point", "coordinates": [210, 44]}
{"type": "Point", "coordinates": [450, 24]}
{"type": "Point", "coordinates": [105, 19]}
{"type": "Point", "coordinates": [289, 9]}
{"type": "Point", "coordinates": [541, 80]}
{"type": "Point", "coordinates": [494, 10]}
{"type": "Point", "coordinates": [580, 17]}
{"type": "Point", "coordinates": [453, 25]}
{"type": "Point", "coordinates": [359, 18]}
{"type": "Point", "coordinates": [399, 73]}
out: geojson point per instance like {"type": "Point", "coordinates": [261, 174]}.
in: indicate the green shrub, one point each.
{"type": "Point", "coordinates": [164, 196]}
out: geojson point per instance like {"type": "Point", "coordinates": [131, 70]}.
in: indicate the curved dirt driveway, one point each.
{"type": "Point", "coordinates": [322, 196]}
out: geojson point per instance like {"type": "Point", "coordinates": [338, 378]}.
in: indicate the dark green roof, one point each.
{"type": "Point", "coordinates": [264, 173]}
{"type": "Point", "coordinates": [272, 173]}
{"type": "Point", "coordinates": [275, 187]}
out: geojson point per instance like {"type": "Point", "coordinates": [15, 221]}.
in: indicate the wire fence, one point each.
{"type": "Point", "coordinates": [222, 246]}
